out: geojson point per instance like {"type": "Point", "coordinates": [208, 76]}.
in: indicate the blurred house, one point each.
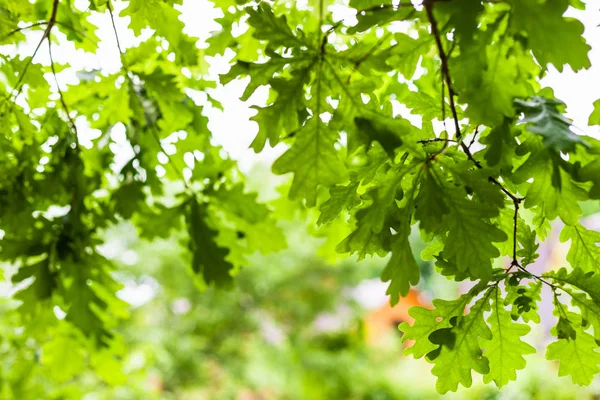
{"type": "Point", "coordinates": [385, 319]}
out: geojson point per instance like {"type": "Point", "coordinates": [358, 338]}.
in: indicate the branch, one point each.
{"type": "Point", "coordinates": [437, 139]}
{"type": "Point", "coordinates": [467, 149]}
{"type": "Point", "coordinates": [444, 60]}
{"type": "Point", "coordinates": [394, 7]}
{"type": "Point", "coordinates": [112, 20]}
{"type": "Point", "coordinates": [153, 128]}
{"type": "Point", "coordinates": [9, 34]}
{"type": "Point", "coordinates": [446, 76]}
{"type": "Point", "coordinates": [326, 36]}
{"type": "Point", "coordinates": [46, 35]}
{"type": "Point", "coordinates": [474, 137]}
{"type": "Point", "coordinates": [62, 99]}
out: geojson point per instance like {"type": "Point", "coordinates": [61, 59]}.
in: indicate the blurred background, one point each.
{"type": "Point", "coordinates": [301, 323]}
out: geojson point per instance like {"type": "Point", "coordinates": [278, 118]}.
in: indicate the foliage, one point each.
{"type": "Point", "coordinates": [505, 164]}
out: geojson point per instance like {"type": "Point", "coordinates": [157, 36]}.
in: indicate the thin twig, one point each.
{"type": "Point", "coordinates": [112, 20]}
{"type": "Point", "coordinates": [467, 149]}
{"type": "Point", "coordinates": [446, 75]}
{"type": "Point", "coordinates": [539, 278]}
{"type": "Point", "coordinates": [437, 139]}
{"type": "Point", "coordinates": [474, 137]}
{"type": "Point", "coordinates": [444, 64]}
{"type": "Point", "coordinates": [62, 99]}
{"type": "Point", "coordinates": [515, 261]}
{"type": "Point", "coordinates": [149, 121]}
{"type": "Point", "coordinates": [326, 36]}
{"type": "Point", "coordinates": [9, 34]}
{"type": "Point", "coordinates": [382, 7]}
{"type": "Point", "coordinates": [46, 35]}
{"type": "Point", "coordinates": [443, 105]}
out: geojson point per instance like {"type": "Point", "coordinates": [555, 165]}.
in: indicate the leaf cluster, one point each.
{"type": "Point", "coordinates": [483, 189]}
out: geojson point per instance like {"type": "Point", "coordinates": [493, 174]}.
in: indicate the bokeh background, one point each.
{"type": "Point", "coordinates": [301, 323]}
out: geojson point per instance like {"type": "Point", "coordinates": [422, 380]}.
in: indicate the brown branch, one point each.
{"type": "Point", "coordinates": [467, 149]}
{"type": "Point", "coordinates": [515, 224]}
{"type": "Point", "coordinates": [539, 278]}
{"type": "Point", "coordinates": [46, 35]}
{"type": "Point", "coordinates": [446, 76]}
{"type": "Point", "coordinates": [444, 60]}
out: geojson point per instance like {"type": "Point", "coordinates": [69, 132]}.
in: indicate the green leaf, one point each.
{"type": "Point", "coordinates": [524, 301]}
{"type": "Point", "coordinates": [208, 258]}
{"type": "Point", "coordinates": [595, 115]}
{"type": "Point", "coordinates": [470, 238]}
{"type": "Point", "coordinates": [500, 145]}
{"type": "Point", "coordinates": [584, 252]}
{"type": "Point", "coordinates": [402, 269]}
{"type": "Point", "coordinates": [372, 234]}
{"type": "Point", "coordinates": [587, 282]}
{"type": "Point", "coordinates": [313, 160]}
{"type": "Point", "coordinates": [63, 358]}
{"type": "Point", "coordinates": [427, 321]}
{"type": "Point", "coordinates": [284, 115]}
{"type": "Point", "coordinates": [552, 190]}
{"type": "Point", "coordinates": [463, 16]}
{"type": "Point", "coordinates": [268, 26]}
{"type": "Point", "coordinates": [430, 206]}
{"type": "Point", "coordinates": [386, 137]}
{"type": "Point", "coordinates": [377, 13]}
{"type": "Point", "coordinates": [568, 47]}
{"type": "Point", "coordinates": [240, 204]}
{"type": "Point", "coordinates": [505, 349]}
{"type": "Point", "coordinates": [341, 197]}
{"type": "Point", "coordinates": [577, 355]}
{"type": "Point", "coordinates": [460, 352]}
{"type": "Point", "coordinates": [543, 118]}
{"type": "Point", "coordinates": [40, 289]}
{"type": "Point", "coordinates": [485, 69]}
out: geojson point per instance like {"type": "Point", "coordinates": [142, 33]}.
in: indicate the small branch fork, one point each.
{"type": "Point", "coordinates": [49, 25]}
{"type": "Point", "coordinates": [467, 149]}
{"type": "Point", "coordinates": [446, 78]}
{"type": "Point", "coordinates": [46, 36]}
{"type": "Point", "coordinates": [14, 31]}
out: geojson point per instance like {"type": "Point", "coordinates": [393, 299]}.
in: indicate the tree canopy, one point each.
{"type": "Point", "coordinates": [489, 164]}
